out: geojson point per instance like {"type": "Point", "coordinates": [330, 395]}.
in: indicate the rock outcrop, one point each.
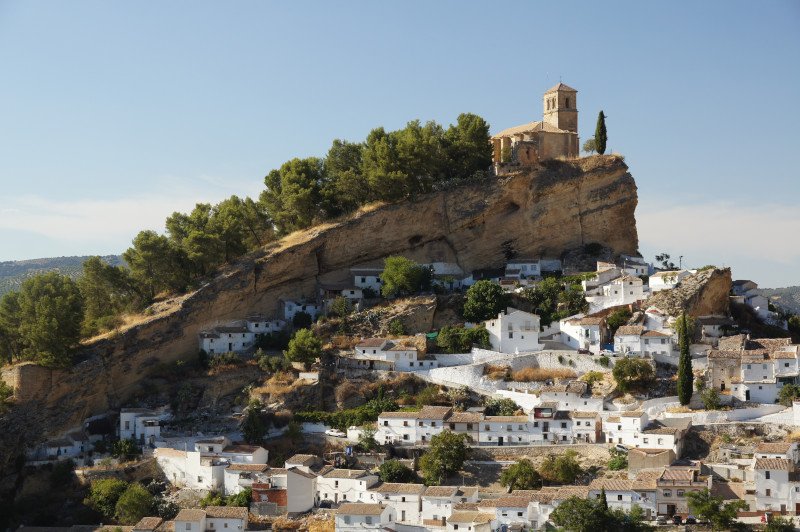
{"type": "Point", "coordinates": [704, 293]}
{"type": "Point", "coordinates": [542, 212]}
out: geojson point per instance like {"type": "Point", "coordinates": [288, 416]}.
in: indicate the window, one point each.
{"type": "Point", "coordinates": [469, 426]}
{"type": "Point", "coordinates": [199, 479]}
{"type": "Point", "coordinates": [455, 527]}
{"type": "Point", "coordinates": [486, 427]}
{"type": "Point", "coordinates": [433, 423]}
{"type": "Point", "coordinates": [420, 424]}
{"type": "Point", "coordinates": [766, 475]}
{"type": "Point", "coordinates": [785, 364]}
{"type": "Point", "coordinates": [769, 492]}
{"type": "Point", "coordinates": [211, 524]}
{"type": "Point", "coordinates": [452, 426]}
{"type": "Point", "coordinates": [535, 424]}
{"type": "Point", "coordinates": [511, 335]}
{"type": "Point", "coordinates": [335, 483]}
{"type": "Point", "coordinates": [405, 423]}
{"type": "Point", "coordinates": [368, 520]}
{"type": "Point", "coordinates": [226, 525]}
{"type": "Point", "coordinates": [508, 428]}
{"type": "Point", "coordinates": [127, 425]}
{"type": "Point", "coordinates": [645, 440]}
{"type": "Point", "coordinates": [520, 427]}
{"type": "Point", "coordinates": [748, 366]}
{"type": "Point", "coordinates": [566, 103]}
{"type": "Point", "coordinates": [347, 519]}
{"type": "Point", "coordinates": [188, 526]}
{"type": "Point", "coordinates": [519, 514]}
{"type": "Point", "coordinates": [667, 493]}
{"type": "Point", "coordinates": [386, 423]}
{"type": "Point", "coordinates": [763, 366]}
{"type": "Point", "coordinates": [405, 436]}
{"type": "Point", "coordinates": [619, 497]}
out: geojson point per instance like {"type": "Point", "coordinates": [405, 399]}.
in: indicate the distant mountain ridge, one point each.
{"type": "Point", "coordinates": [787, 297]}
{"type": "Point", "coordinates": [13, 273]}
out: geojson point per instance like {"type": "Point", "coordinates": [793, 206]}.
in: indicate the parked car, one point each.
{"type": "Point", "coordinates": [676, 519]}
{"type": "Point", "coordinates": [584, 352]}
{"type": "Point", "coordinates": [621, 448]}
{"type": "Point", "coordinates": [661, 520]}
{"type": "Point", "coordinates": [336, 433]}
{"type": "Point", "coordinates": [326, 504]}
{"type": "Point", "coordinates": [690, 520]}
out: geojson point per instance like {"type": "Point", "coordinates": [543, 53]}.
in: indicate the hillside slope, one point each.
{"type": "Point", "coordinates": [545, 212]}
{"type": "Point", "coordinates": [13, 273]}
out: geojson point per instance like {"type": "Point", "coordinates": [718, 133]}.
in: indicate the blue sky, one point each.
{"type": "Point", "coordinates": [113, 115]}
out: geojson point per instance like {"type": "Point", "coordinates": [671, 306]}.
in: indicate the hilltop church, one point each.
{"type": "Point", "coordinates": [556, 136]}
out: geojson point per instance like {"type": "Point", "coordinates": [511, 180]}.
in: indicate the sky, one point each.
{"type": "Point", "coordinates": [115, 114]}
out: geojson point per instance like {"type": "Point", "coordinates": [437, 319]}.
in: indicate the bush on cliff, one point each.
{"type": "Point", "coordinates": [402, 276]}
{"type": "Point", "coordinates": [484, 301]}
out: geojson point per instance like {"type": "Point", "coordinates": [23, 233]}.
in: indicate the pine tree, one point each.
{"type": "Point", "coordinates": [603, 500]}
{"type": "Point", "coordinates": [600, 135]}
{"type": "Point", "coordinates": [685, 375]}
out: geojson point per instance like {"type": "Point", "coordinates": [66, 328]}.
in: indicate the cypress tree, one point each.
{"type": "Point", "coordinates": [603, 500]}
{"type": "Point", "coordinates": [685, 375]}
{"type": "Point", "coordinates": [600, 135]}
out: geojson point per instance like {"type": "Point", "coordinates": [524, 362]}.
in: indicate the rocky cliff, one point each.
{"type": "Point", "coordinates": [703, 293]}
{"type": "Point", "coordinates": [542, 212]}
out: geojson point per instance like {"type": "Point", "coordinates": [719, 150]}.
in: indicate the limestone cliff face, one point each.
{"type": "Point", "coordinates": [535, 213]}
{"type": "Point", "coordinates": [704, 293]}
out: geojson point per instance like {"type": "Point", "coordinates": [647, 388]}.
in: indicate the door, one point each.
{"type": "Point", "coordinates": [500, 441]}
{"type": "Point", "coordinates": [670, 510]}
{"type": "Point", "coordinates": [747, 395]}
{"type": "Point", "coordinates": [402, 515]}
{"type": "Point", "coordinates": [545, 426]}
{"type": "Point", "coordinates": [230, 347]}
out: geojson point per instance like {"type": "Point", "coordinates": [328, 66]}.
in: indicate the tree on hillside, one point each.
{"type": "Point", "coordinates": [107, 292]}
{"type": "Point", "coordinates": [589, 146]}
{"type": "Point", "coordinates": [304, 347]}
{"type": "Point", "coordinates": [156, 264]}
{"type": "Point", "coordinates": [402, 276]}
{"type": "Point", "coordinates": [632, 373]}
{"type": "Point", "coordinates": [293, 195]}
{"type": "Point", "coordinates": [394, 471]}
{"type": "Point", "coordinates": [445, 456]}
{"type": "Point", "coordinates": [50, 312]}
{"type": "Point", "coordinates": [685, 374]}
{"type": "Point", "coordinates": [454, 339]}
{"type": "Point", "coordinates": [580, 515]}
{"type": "Point", "coordinates": [788, 393]}
{"type": "Point", "coordinates": [666, 263]}
{"type": "Point", "coordinates": [617, 319]}
{"type": "Point", "coordinates": [713, 508]}
{"type": "Point", "coordinates": [603, 500]}
{"type": "Point", "coordinates": [136, 502]}
{"type": "Point", "coordinates": [253, 427]}
{"type": "Point", "coordinates": [346, 188]}
{"type": "Point", "coordinates": [779, 524]}
{"type": "Point", "coordinates": [484, 300]}
{"type": "Point", "coordinates": [10, 338]}
{"type": "Point", "coordinates": [561, 469]}
{"type": "Point", "coordinates": [104, 494]}
{"type": "Point", "coordinates": [500, 407]}
{"type": "Point", "coordinates": [302, 320]}
{"type": "Point", "coordinates": [520, 476]}
{"type": "Point", "coordinates": [468, 147]}
{"type": "Point", "coordinates": [600, 134]}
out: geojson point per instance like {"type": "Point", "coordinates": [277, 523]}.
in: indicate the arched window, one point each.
{"type": "Point", "coordinates": [566, 103]}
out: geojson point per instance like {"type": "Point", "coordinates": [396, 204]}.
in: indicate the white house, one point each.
{"type": "Point", "coordinates": [586, 426]}
{"type": "Point", "coordinates": [784, 449]}
{"type": "Point", "coordinates": [292, 490]}
{"type": "Point", "coordinates": [258, 324]}
{"type": "Point", "coordinates": [191, 469]}
{"type": "Point", "coordinates": [777, 485]}
{"type": "Point", "coordinates": [470, 520]}
{"type": "Point", "coordinates": [367, 278]}
{"type": "Point", "coordinates": [628, 339]}
{"type": "Point", "coordinates": [657, 343]}
{"type": "Point", "coordinates": [233, 338]}
{"type": "Point", "coordinates": [141, 424]}
{"type": "Point", "coordinates": [509, 511]}
{"type": "Point", "coordinates": [438, 502]}
{"type": "Point", "coordinates": [623, 290]}
{"type": "Point", "coordinates": [397, 427]}
{"type": "Point", "coordinates": [354, 517]}
{"type": "Point", "coordinates": [218, 518]}
{"type": "Point", "coordinates": [625, 428]}
{"type": "Point", "coordinates": [635, 265]}
{"type": "Point", "coordinates": [583, 332]}
{"type": "Point", "coordinates": [290, 307]}
{"type": "Point", "coordinates": [624, 494]}
{"type": "Point", "coordinates": [523, 268]}
{"type": "Point", "coordinates": [667, 280]}
{"type": "Point", "coordinates": [239, 476]}
{"type": "Point", "coordinates": [712, 328]}
{"type": "Point", "coordinates": [514, 331]}
{"type": "Point", "coordinates": [505, 430]}
{"type": "Point", "coordinates": [350, 485]}
{"type": "Point", "coordinates": [405, 498]}
{"type": "Point", "coordinates": [571, 396]}
{"type": "Point", "coordinates": [380, 353]}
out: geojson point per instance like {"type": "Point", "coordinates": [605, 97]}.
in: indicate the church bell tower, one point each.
{"type": "Point", "coordinates": [561, 107]}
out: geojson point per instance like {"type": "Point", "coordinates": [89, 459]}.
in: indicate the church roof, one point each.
{"type": "Point", "coordinates": [561, 87]}
{"type": "Point", "coordinates": [527, 128]}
